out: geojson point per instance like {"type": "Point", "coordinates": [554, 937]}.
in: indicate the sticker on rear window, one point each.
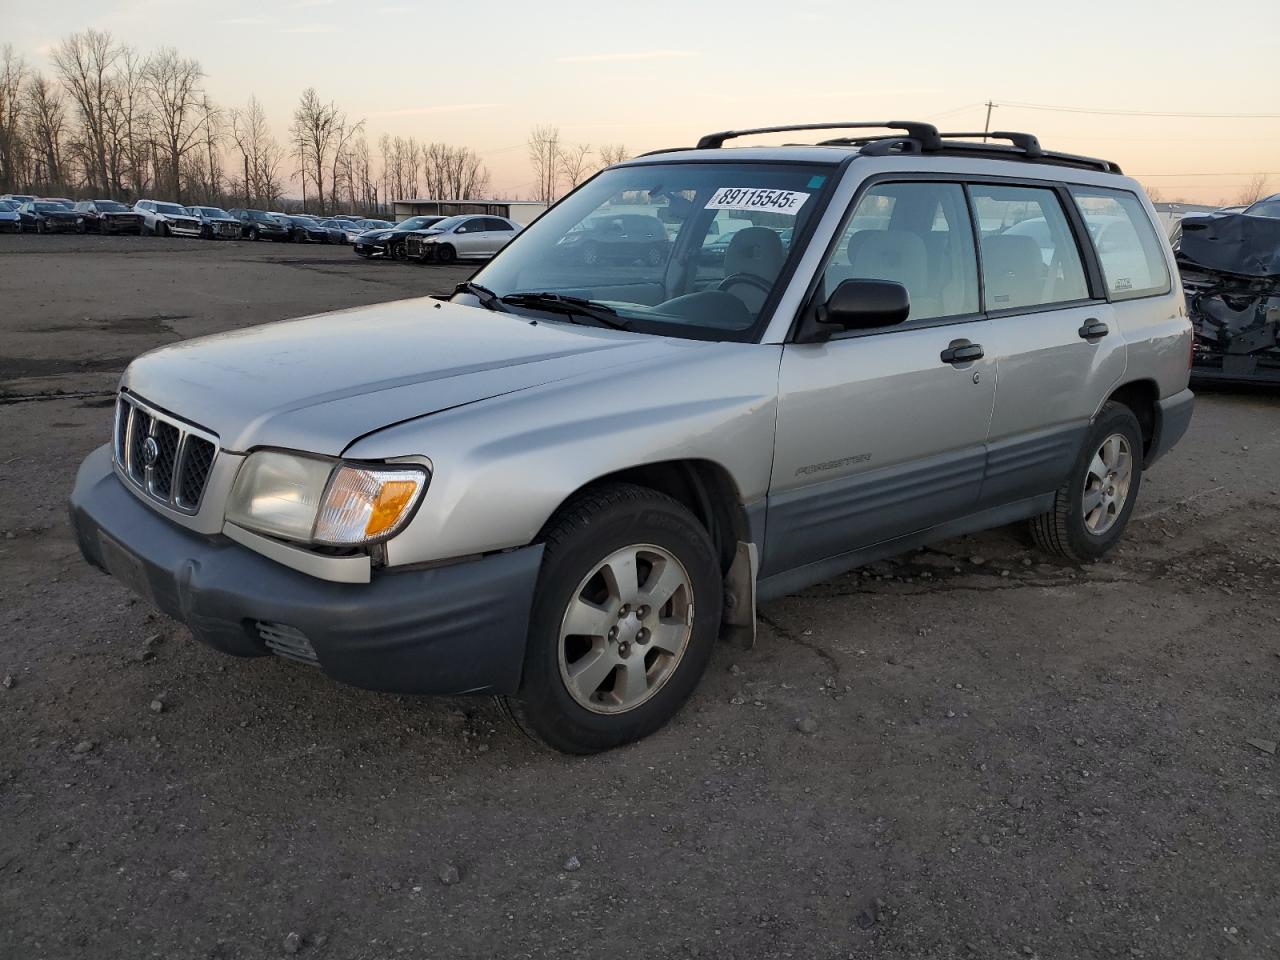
{"type": "Point", "coordinates": [757, 198]}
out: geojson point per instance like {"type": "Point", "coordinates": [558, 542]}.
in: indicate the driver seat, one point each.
{"type": "Point", "coordinates": [757, 251]}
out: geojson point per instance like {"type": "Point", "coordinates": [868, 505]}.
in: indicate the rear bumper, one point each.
{"type": "Point", "coordinates": [445, 630]}
{"type": "Point", "coordinates": [1173, 417]}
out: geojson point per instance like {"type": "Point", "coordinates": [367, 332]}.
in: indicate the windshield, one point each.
{"type": "Point", "coordinates": [171, 208]}
{"type": "Point", "coordinates": [46, 206]}
{"type": "Point", "coordinates": [212, 212]}
{"type": "Point", "coordinates": [110, 206]}
{"type": "Point", "coordinates": [418, 223]}
{"type": "Point", "coordinates": [648, 242]}
{"type": "Point", "coordinates": [8, 205]}
{"type": "Point", "coordinates": [1265, 208]}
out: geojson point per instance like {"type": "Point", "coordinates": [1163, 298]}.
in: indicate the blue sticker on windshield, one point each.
{"type": "Point", "coordinates": [816, 181]}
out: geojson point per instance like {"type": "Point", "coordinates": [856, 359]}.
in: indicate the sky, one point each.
{"type": "Point", "coordinates": [1183, 95]}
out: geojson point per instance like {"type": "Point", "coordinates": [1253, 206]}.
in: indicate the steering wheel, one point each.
{"type": "Point", "coordinates": [750, 279]}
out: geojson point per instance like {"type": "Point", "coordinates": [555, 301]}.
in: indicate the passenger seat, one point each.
{"type": "Point", "coordinates": [1012, 270]}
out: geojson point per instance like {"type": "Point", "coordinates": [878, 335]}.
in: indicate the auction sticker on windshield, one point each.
{"type": "Point", "coordinates": [757, 198]}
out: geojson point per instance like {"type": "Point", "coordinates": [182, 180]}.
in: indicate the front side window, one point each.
{"type": "Point", "coordinates": [637, 239]}
{"type": "Point", "coordinates": [1131, 254]}
{"type": "Point", "coordinates": [1029, 255]}
{"type": "Point", "coordinates": [915, 234]}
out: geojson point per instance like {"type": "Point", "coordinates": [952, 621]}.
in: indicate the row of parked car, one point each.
{"type": "Point", "coordinates": [431, 239]}
{"type": "Point", "coordinates": [22, 212]}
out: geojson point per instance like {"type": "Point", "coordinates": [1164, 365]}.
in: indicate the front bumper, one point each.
{"type": "Point", "coordinates": [123, 223]}
{"type": "Point", "coordinates": [444, 630]}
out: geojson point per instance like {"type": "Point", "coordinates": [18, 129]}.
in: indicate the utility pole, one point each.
{"type": "Point", "coordinates": [987, 126]}
{"type": "Point", "coordinates": [246, 181]}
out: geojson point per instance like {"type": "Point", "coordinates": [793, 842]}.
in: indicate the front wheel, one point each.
{"type": "Point", "coordinates": [445, 253]}
{"type": "Point", "coordinates": [1093, 506]}
{"type": "Point", "coordinates": [624, 620]}
{"type": "Point", "coordinates": [39, 226]}
{"type": "Point", "coordinates": [396, 251]}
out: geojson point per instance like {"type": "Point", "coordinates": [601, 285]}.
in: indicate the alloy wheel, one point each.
{"type": "Point", "coordinates": [626, 628]}
{"type": "Point", "coordinates": [1106, 484]}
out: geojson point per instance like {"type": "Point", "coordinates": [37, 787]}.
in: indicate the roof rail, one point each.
{"type": "Point", "coordinates": [1025, 142]}
{"type": "Point", "coordinates": [926, 133]}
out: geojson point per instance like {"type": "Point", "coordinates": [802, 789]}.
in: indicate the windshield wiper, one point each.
{"type": "Point", "coordinates": [488, 299]}
{"type": "Point", "coordinates": [571, 307]}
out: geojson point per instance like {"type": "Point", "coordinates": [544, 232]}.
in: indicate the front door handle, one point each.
{"type": "Point", "coordinates": [962, 351]}
{"type": "Point", "coordinates": [1093, 330]}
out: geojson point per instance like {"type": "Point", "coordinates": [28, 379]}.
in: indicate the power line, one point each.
{"type": "Point", "coordinates": [1142, 113]}
{"type": "Point", "coordinates": [1238, 173]}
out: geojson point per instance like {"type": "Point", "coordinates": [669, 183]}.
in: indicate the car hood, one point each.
{"type": "Point", "coordinates": [374, 236]}
{"type": "Point", "coordinates": [322, 382]}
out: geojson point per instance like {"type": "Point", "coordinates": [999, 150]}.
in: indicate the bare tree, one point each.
{"type": "Point", "coordinates": [315, 134]}
{"type": "Point", "coordinates": [260, 154]}
{"type": "Point", "coordinates": [13, 77]}
{"type": "Point", "coordinates": [172, 84]}
{"type": "Point", "coordinates": [46, 122]}
{"type": "Point", "coordinates": [575, 163]}
{"type": "Point", "coordinates": [85, 63]}
{"type": "Point", "coordinates": [545, 157]}
{"type": "Point", "coordinates": [1253, 191]}
{"type": "Point", "coordinates": [135, 127]}
{"type": "Point", "coordinates": [612, 153]}
{"type": "Point", "coordinates": [340, 172]}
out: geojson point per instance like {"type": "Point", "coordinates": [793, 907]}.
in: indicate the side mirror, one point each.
{"type": "Point", "coordinates": [859, 305]}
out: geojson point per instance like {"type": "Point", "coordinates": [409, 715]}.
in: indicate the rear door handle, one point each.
{"type": "Point", "coordinates": [962, 351]}
{"type": "Point", "coordinates": [1093, 329]}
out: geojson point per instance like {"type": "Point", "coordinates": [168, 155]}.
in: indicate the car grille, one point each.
{"type": "Point", "coordinates": [414, 246]}
{"type": "Point", "coordinates": [164, 457]}
{"type": "Point", "coordinates": [229, 229]}
{"type": "Point", "coordinates": [286, 641]}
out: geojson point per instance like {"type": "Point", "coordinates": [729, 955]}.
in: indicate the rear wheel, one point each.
{"type": "Point", "coordinates": [1092, 508]}
{"type": "Point", "coordinates": [624, 620]}
{"type": "Point", "coordinates": [162, 229]}
{"type": "Point", "coordinates": [445, 253]}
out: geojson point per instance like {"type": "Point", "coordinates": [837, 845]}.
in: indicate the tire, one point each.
{"type": "Point", "coordinates": [206, 232]}
{"type": "Point", "coordinates": [1092, 508]}
{"type": "Point", "coordinates": [80, 227]}
{"type": "Point", "coordinates": [40, 226]}
{"type": "Point", "coordinates": [254, 235]}
{"type": "Point", "coordinates": [595, 532]}
{"type": "Point", "coordinates": [162, 229]}
{"type": "Point", "coordinates": [445, 253]}
{"type": "Point", "coordinates": [396, 251]}
{"type": "Point", "coordinates": [364, 253]}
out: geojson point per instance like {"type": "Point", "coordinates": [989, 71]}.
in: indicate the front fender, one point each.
{"type": "Point", "coordinates": [504, 465]}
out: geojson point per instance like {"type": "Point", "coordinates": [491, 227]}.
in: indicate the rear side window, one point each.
{"type": "Point", "coordinates": [915, 234]}
{"type": "Point", "coordinates": [1029, 255]}
{"type": "Point", "coordinates": [1131, 254]}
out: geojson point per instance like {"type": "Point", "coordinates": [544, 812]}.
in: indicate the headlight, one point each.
{"type": "Point", "coordinates": [309, 500]}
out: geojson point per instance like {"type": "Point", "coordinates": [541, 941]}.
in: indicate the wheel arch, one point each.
{"type": "Point", "coordinates": [704, 487]}
{"type": "Point", "coordinates": [1143, 398]}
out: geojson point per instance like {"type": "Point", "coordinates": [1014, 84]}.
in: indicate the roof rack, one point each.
{"type": "Point", "coordinates": [926, 133]}
{"type": "Point", "coordinates": [925, 138]}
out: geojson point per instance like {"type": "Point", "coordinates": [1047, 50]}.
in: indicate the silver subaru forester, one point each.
{"type": "Point", "coordinates": [705, 378]}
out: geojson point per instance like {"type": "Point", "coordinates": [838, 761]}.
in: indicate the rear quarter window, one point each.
{"type": "Point", "coordinates": [1129, 249]}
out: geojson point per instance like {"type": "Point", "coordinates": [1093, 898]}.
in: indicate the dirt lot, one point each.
{"type": "Point", "coordinates": [1011, 758]}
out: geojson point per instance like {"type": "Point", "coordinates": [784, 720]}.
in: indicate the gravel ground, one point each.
{"type": "Point", "coordinates": [964, 752]}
